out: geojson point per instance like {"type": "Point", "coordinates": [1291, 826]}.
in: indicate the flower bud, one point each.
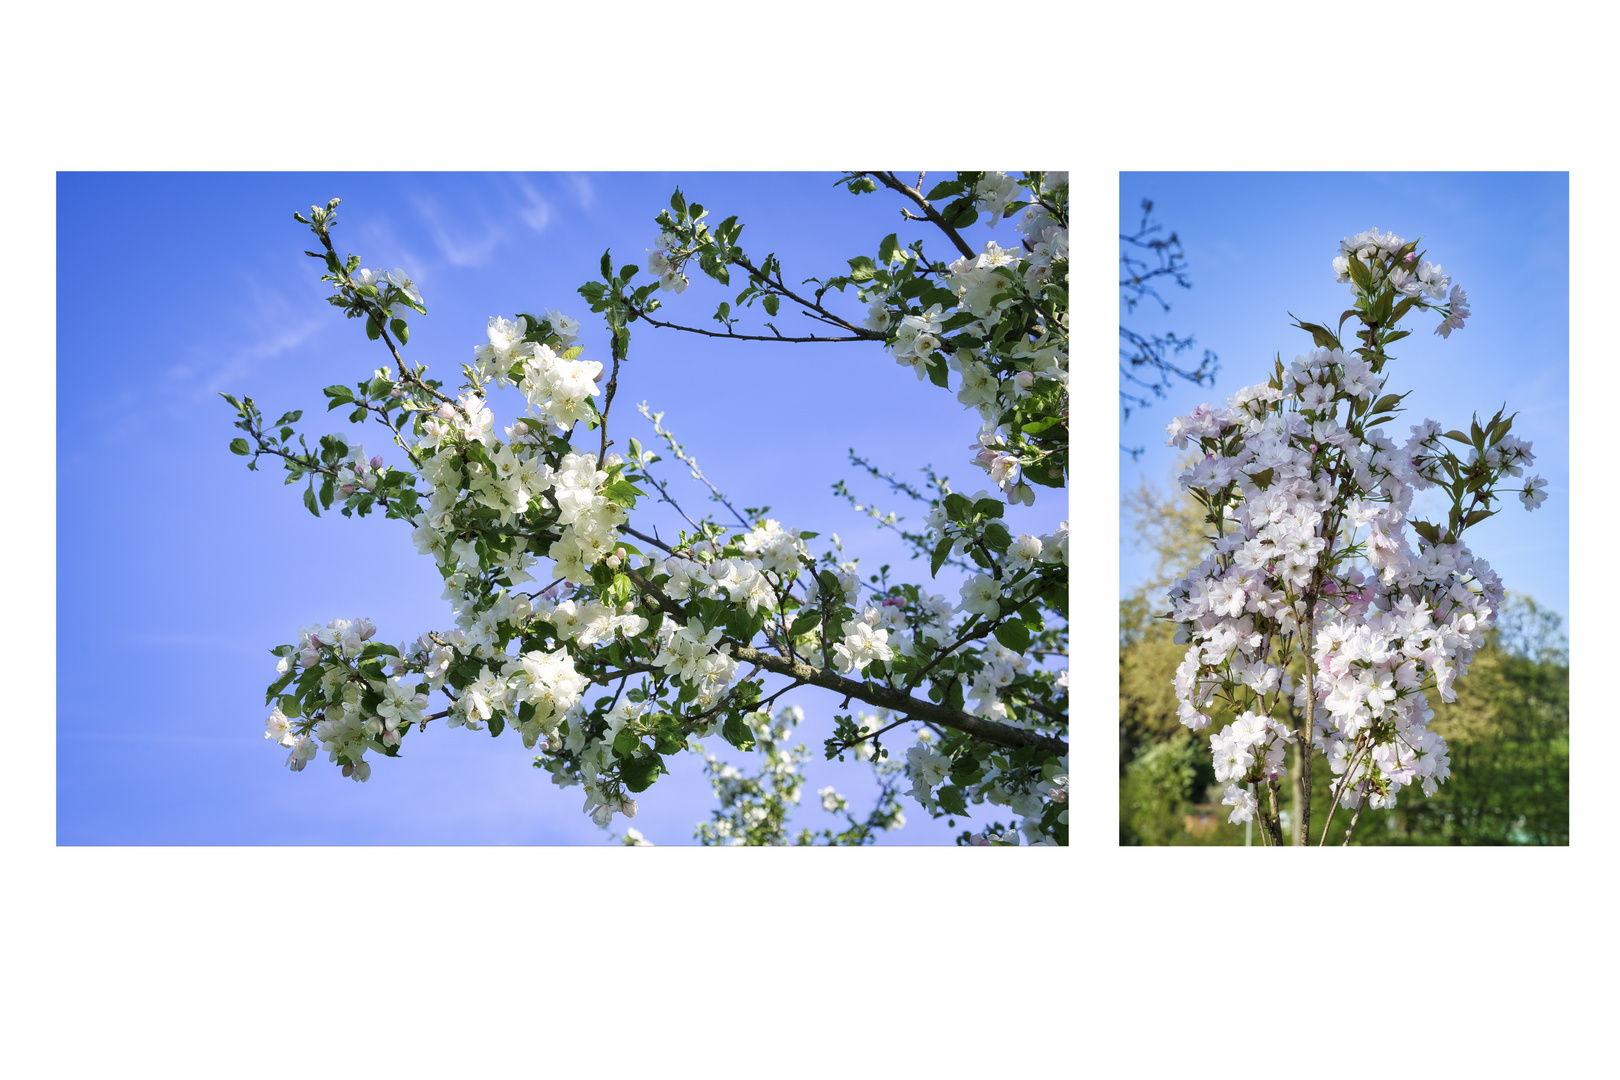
{"type": "Point", "coordinates": [377, 462]}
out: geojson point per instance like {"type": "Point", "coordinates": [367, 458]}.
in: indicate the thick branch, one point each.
{"type": "Point", "coordinates": [885, 698]}
{"type": "Point", "coordinates": [881, 696]}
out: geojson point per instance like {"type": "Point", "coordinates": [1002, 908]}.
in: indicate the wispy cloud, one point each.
{"type": "Point", "coordinates": [271, 323]}
{"type": "Point", "coordinates": [579, 186]}
{"type": "Point", "coordinates": [455, 245]}
{"type": "Point", "coordinates": [534, 210]}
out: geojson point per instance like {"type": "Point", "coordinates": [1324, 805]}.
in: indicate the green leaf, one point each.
{"type": "Point", "coordinates": [240, 446]}
{"type": "Point", "coordinates": [639, 773]}
{"type": "Point", "coordinates": [862, 268]}
{"type": "Point", "coordinates": [1477, 516]}
{"type": "Point", "coordinates": [1044, 475]}
{"type": "Point", "coordinates": [340, 395]}
{"type": "Point", "coordinates": [1360, 274]}
{"type": "Point", "coordinates": [1320, 334]}
{"type": "Point", "coordinates": [772, 303]}
{"type": "Point", "coordinates": [623, 493]}
{"type": "Point", "coordinates": [943, 189]}
{"type": "Point", "coordinates": [737, 733]}
{"type": "Point", "coordinates": [942, 551]}
{"type": "Point", "coordinates": [887, 249]}
{"type": "Point", "coordinates": [677, 202]}
{"type": "Point", "coordinates": [950, 800]}
{"type": "Point", "coordinates": [938, 372]}
{"type": "Point", "coordinates": [400, 330]}
{"type": "Point", "coordinates": [278, 686]}
{"type": "Point", "coordinates": [1386, 403]}
{"type": "Point", "coordinates": [1013, 635]}
{"type": "Point", "coordinates": [309, 499]}
{"type": "Point", "coordinates": [806, 622]}
{"type": "Point", "coordinates": [1380, 309]}
{"type": "Point", "coordinates": [988, 507]}
{"type": "Point", "coordinates": [625, 744]}
{"type": "Point", "coordinates": [497, 724]}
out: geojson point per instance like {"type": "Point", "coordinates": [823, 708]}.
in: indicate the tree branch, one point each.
{"type": "Point", "coordinates": [890, 181]}
{"type": "Point", "coordinates": [882, 696]}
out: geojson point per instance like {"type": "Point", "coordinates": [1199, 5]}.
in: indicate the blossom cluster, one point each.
{"type": "Point", "coordinates": [357, 709]}
{"type": "Point", "coordinates": [992, 323]}
{"type": "Point", "coordinates": [666, 634]}
{"type": "Point", "coordinates": [1311, 504]}
{"type": "Point", "coordinates": [1388, 260]}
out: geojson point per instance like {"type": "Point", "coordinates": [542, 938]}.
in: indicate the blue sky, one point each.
{"type": "Point", "coordinates": [1259, 245]}
{"type": "Point", "coordinates": [203, 566]}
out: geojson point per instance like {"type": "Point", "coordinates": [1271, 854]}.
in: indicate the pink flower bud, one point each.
{"type": "Point", "coordinates": [346, 489]}
{"type": "Point", "coordinates": [377, 462]}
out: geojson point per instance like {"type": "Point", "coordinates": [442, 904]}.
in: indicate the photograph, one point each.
{"type": "Point", "coordinates": [567, 509]}
{"type": "Point", "coordinates": [1344, 522]}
